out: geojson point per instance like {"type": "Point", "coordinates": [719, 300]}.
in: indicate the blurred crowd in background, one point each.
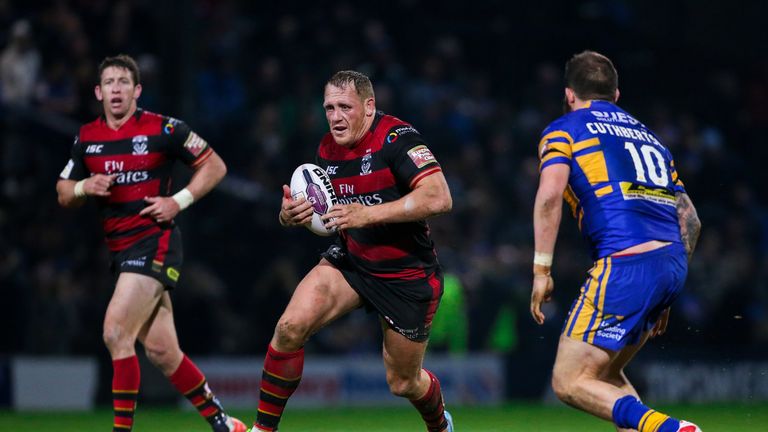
{"type": "Point", "coordinates": [479, 82]}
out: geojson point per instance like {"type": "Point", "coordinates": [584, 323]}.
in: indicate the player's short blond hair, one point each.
{"type": "Point", "coordinates": [362, 83]}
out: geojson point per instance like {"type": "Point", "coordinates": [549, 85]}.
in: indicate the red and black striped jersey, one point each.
{"type": "Point", "coordinates": [141, 154]}
{"type": "Point", "coordinates": [384, 166]}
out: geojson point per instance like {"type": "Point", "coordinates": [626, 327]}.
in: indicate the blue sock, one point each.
{"type": "Point", "coordinates": [630, 413]}
{"type": "Point", "coordinates": [670, 425]}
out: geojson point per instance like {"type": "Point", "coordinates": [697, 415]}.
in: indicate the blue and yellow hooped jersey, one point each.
{"type": "Point", "coordinates": [623, 181]}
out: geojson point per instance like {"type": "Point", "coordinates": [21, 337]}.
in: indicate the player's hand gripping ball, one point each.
{"type": "Point", "coordinates": [312, 183]}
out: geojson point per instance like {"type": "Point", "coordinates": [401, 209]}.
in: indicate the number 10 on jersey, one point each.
{"type": "Point", "coordinates": [651, 165]}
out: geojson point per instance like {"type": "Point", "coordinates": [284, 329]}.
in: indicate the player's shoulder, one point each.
{"type": "Point", "coordinates": [574, 123]}
{"type": "Point", "coordinates": [168, 125]}
{"type": "Point", "coordinates": [564, 126]}
{"type": "Point", "coordinates": [391, 123]}
{"type": "Point", "coordinates": [392, 129]}
{"type": "Point", "coordinates": [149, 118]}
{"type": "Point", "coordinates": [327, 140]}
{"type": "Point", "coordinates": [96, 124]}
{"type": "Point", "coordinates": [328, 148]}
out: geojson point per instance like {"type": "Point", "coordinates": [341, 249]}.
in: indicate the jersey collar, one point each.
{"type": "Point", "coordinates": [136, 115]}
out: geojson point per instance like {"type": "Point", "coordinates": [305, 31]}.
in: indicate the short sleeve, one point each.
{"type": "Point", "coordinates": [75, 168]}
{"type": "Point", "coordinates": [409, 157]}
{"type": "Point", "coordinates": [677, 183]}
{"type": "Point", "coordinates": [555, 147]}
{"type": "Point", "coordinates": [186, 144]}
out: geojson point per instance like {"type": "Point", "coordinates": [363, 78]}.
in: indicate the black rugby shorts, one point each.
{"type": "Point", "coordinates": [407, 306]}
{"type": "Point", "coordinates": [158, 256]}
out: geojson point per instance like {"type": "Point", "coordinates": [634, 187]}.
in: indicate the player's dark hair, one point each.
{"type": "Point", "coordinates": [363, 86]}
{"type": "Point", "coordinates": [591, 75]}
{"type": "Point", "coordinates": [122, 61]}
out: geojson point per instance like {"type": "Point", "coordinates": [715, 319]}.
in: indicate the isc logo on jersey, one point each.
{"type": "Point", "coordinates": [94, 148]}
{"type": "Point", "coordinates": [312, 183]}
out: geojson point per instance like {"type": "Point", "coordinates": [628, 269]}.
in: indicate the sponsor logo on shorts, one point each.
{"type": "Point", "coordinates": [172, 273]}
{"type": "Point", "coordinates": [409, 333]}
{"type": "Point", "coordinates": [335, 252]}
{"type": "Point", "coordinates": [610, 329]}
{"type": "Point", "coordinates": [135, 262]}
{"type": "Point", "coordinates": [421, 156]}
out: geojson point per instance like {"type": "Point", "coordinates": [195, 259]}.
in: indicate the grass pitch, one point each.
{"type": "Point", "coordinates": [513, 417]}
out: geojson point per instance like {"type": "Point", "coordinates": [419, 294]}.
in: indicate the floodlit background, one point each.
{"type": "Point", "coordinates": [479, 81]}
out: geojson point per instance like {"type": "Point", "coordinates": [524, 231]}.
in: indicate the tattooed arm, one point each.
{"type": "Point", "coordinates": [690, 225]}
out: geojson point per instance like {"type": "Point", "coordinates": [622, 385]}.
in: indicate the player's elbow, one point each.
{"type": "Point", "coordinates": [446, 204]}
{"type": "Point", "coordinates": [442, 203]}
{"type": "Point", "coordinates": [219, 168]}
{"type": "Point", "coordinates": [213, 169]}
{"type": "Point", "coordinates": [222, 172]}
{"type": "Point", "coordinates": [70, 202]}
{"type": "Point", "coordinates": [65, 199]}
{"type": "Point", "coordinates": [548, 202]}
{"type": "Point", "coordinates": [696, 223]}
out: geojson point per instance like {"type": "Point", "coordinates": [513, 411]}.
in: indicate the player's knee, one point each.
{"type": "Point", "coordinates": [116, 338]}
{"type": "Point", "coordinates": [290, 335]}
{"type": "Point", "coordinates": [402, 386]}
{"type": "Point", "coordinates": [161, 357]}
{"type": "Point", "coordinates": [614, 377]}
{"type": "Point", "coordinates": [563, 387]}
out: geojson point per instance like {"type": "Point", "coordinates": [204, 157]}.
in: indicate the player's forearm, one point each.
{"type": "Point", "coordinates": [207, 176]}
{"type": "Point", "coordinates": [431, 197]}
{"type": "Point", "coordinates": [66, 194]}
{"type": "Point", "coordinates": [690, 225]}
{"type": "Point", "coordinates": [547, 212]}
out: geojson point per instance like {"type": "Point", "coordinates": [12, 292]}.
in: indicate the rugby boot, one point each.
{"type": "Point", "coordinates": [225, 423]}
{"type": "Point", "coordinates": [449, 419]}
{"type": "Point", "coordinates": [686, 426]}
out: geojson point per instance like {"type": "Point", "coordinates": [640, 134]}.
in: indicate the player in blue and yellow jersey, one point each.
{"type": "Point", "coordinates": [631, 207]}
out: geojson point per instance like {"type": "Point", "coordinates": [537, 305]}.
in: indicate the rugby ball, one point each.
{"type": "Point", "coordinates": [312, 183]}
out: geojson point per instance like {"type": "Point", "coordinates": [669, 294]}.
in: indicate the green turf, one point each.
{"type": "Point", "coordinates": [509, 418]}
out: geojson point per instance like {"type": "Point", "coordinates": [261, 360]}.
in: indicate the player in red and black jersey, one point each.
{"type": "Point", "coordinates": [124, 159]}
{"type": "Point", "coordinates": [388, 183]}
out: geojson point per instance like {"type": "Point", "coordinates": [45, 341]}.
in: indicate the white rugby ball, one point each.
{"type": "Point", "coordinates": [312, 183]}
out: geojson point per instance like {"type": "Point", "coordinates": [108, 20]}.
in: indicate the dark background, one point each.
{"type": "Point", "coordinates": [480, 81]}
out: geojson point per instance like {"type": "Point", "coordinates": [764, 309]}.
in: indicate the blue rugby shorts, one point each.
{"type": "Point", "coordinates": [623, 296]}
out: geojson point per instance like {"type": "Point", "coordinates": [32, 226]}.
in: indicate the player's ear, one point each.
{"type": "Point", "coordinates": [137, 91]}
{"type": "Point", "coordinates": [97, 92]}
{"type": "Point", "coordinates": [370, 107]}
{"type": "Point", "coordinates": [616, 96]}
{"type": "Point", "coordinates": [570, 95]}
